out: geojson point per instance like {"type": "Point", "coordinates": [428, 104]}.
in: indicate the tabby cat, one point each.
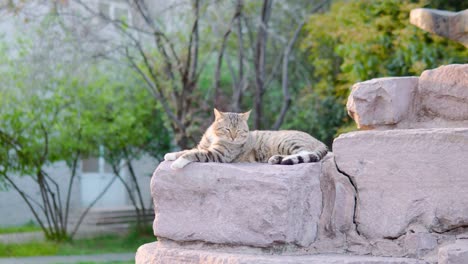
{"type": "Point", "coordinates": [228, 140]}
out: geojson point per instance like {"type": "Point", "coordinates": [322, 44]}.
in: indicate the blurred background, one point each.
{"type": "Point", "coordinates": [94, 92]}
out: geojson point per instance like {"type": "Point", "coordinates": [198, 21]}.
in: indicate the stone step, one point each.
{"type": "Point", "coordinates": [153, 253]}
{"type": "Point", "coordinates": [257, 205]}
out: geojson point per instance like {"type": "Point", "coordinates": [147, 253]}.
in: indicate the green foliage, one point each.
{"type": "Point", "coordinates": [65, 113]}
{"type": "Point", "coordinates": [360, 40]}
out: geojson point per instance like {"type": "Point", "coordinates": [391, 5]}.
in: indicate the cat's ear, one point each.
{"type": "Point", "coordinates": [246, 115]}
{"type": "Point", "coordinates": [218, 114]}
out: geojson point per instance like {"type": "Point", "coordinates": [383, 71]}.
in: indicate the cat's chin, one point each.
{"type": "Point", "coordinates": [230, 142]}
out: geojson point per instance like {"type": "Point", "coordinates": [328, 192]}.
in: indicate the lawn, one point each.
{"type": "Point", "coordinates": [28, 227]}
{"type": "Point", "coordinates": [97, 245]}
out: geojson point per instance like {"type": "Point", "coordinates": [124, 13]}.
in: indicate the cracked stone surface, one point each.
{"type": "Point", "coordinates": [405, 178]}
{"type": "Point", "coordinates": [256, 205]}
{"type": "Point", "coordinates": [155, 253]}
{"type": "Point", "coordinates": [443, 95]}
{"type": "Point", "coordinates": [240, 204]}
{"type": "Point", "coordinates": [382, 101]}
{"type": "Point", "coordinates": [452, 25]}
{"type": "Point", "coordinates": [436, 99]}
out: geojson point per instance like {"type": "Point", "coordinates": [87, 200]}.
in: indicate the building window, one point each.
{"type": "Point", "coordinates": [115, 11]}
{"type": "Point", "coordinates": [90, 165]}
{"type": "Point", "coordinates": [96, 164]}
{"type": "Point", "coordinates": [104, 9]}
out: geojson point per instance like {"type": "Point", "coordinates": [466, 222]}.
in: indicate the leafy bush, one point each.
{"type": "Point", "coordinates": [360, 40]}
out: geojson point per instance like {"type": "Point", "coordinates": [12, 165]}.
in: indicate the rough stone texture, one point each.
{"type": "Point", "coordinates": [419, 244]}
{"type": "Point", "coordinates": [382, 101]}
{"type": "Point", "coordinates": [405, 178]}
{"type": "Point", "coordinates": [338, 200]}
{"type": "Point", "coordinates": [456, 253]}
{"type": "Point", "coordinates": [239, 204]}
{"type": "Point", "coordinates": [443, 94]}
{"type": "Point", "coordinates": [447, 24]}
{"type": "Point", "coordinates": [438, 98]}
{"type": "Point", "coordinates": [155, 253]}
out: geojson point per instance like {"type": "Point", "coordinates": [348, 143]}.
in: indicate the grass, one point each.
{"type": "Point", "coordinates": [107, 262]}
{"type": "Point", "coordinates": [97, 245]}
{"type": "Point", "coordinates": [28, 227]}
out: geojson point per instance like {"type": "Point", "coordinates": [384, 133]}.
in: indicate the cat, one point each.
{"type": "Point", "coordinates": [228, 140]}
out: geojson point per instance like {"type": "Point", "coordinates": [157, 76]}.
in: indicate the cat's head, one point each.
{"type": "Point", "coordinates": [231, 127]}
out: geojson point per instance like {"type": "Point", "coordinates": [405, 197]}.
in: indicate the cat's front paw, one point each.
{"type": "Point", "coordinates": [180, 163]}
{"type": "Point", "coordinates": [170, 156]}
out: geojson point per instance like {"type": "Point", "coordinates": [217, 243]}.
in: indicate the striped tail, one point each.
{"type": "Point", "coordinates": [306, 156]}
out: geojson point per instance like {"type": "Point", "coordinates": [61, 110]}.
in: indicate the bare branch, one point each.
{"type": "Point", "coordinates": [221, 53]}
{"type": "Point", "coordinates": [237, 93]}
{"type": "Point", "coordinates": [284, 84]}
{"type": "Point", "coordinates": [109, 184]}
{"type": "Point", "coordinates": [259, 61]}
{"type": "Point", "coordinates": [28, 202]}
{"type": "Point", "coordinates": [154, 90]}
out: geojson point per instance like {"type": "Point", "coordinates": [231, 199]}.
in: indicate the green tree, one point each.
{"type": "Point", "coordinates": [360, 40]}
{"type": "Point", "coordinates": [64, 113]}
{"type": "Point", "coordinates": [128, 125]}
{"type": "Point", "coordinates": [229, 54]}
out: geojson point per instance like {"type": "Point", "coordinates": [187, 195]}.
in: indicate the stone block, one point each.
{"type": "Point", "coordinates": [456, 253]}
{"type": "Point", "coordinates": [436, 99]}
{"type": "Point", "coordinates": [382, 101]}
{"type": "Point", "coordinates": [238, 204]}
{"type": "Point", "coordinates": [443, 95]}
{"type": "Point", "coordinates": [452, 25]}
{"type": "Point", "coordinates": [404, 177]}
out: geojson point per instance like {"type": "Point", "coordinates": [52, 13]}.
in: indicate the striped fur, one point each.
{"type": "Point", "coordinates": [228, 140]}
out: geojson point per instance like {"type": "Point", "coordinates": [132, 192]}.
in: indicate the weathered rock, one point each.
{"type": "Point", "coordinates": [405, 177]}
{"type": "Point", "coordinates": [447, 24]}
{"type": "Point", "coordinates": [456, 253]}
{"type": "Point", "coordinates": [443, 95]}
{"type": "Point", "coordinates": [419, 244]}
{"type": "Point", "coordinates": [438, 98]}
{"type": "Point", "coordinates": [338, 196]}
{"type": "Point", "coordinates": [382, 101]}
{"type": "Point", "coordinates": [155, 253]}
{"type": "Point", "coordinates": [239, 204]}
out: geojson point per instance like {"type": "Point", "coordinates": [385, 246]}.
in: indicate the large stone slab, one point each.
{"type": "Point", "coordinates": [406, 178]}
{"type": "Point", "coordinates": [238, 204]}
{"type": "Point", "coordinates": [443, 95]}
{"type": "Point", "coordinates": [382, 101]}
{"type": "Point", "coordinates": [155, 253]}
{"type": "Point", "coordinates": [452, 25]}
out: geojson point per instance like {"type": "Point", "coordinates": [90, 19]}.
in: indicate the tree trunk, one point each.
{"type": "Point", "coordinates": [260, 50]}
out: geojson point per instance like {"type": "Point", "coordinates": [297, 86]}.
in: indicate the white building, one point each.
{"type": "Point", "coordinates": [94, 175]}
